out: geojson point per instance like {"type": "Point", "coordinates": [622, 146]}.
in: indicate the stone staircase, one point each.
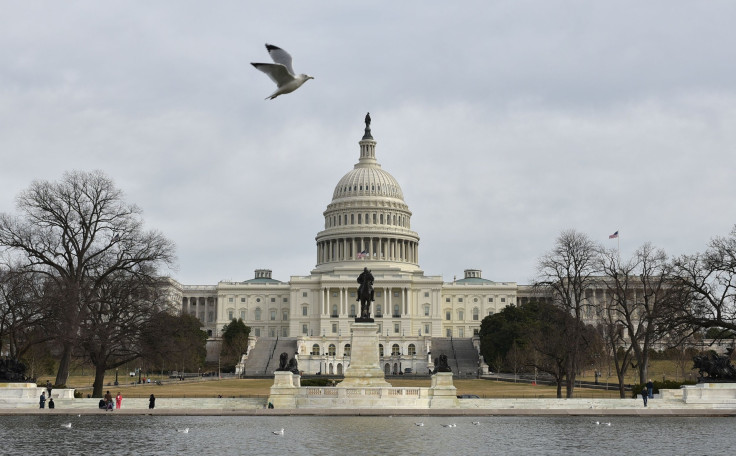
{"type": "Point", "coordinates": [263, 358]}
{"type": "Point", "coordinates": [462, 357]}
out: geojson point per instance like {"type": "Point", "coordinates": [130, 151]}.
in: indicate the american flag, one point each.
{"type": "Point", "coordinates": [362, 254]}
{"type": "Point", "coordinates": [613, 236]}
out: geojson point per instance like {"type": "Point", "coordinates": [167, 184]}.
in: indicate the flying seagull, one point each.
{"type": "Point", "coordinates": [281, 72]}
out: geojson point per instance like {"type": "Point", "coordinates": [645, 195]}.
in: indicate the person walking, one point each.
{"type": "Point", "coordinates": [42, 400]}
{"type": "Point", "coordinates": [118, 400]}
{"type": "Point", "coordinates": [48, 388]}
{"type": "Point", "coordinates": [644, 395]}
{"type": "Point", "coordinates": [151, 402]}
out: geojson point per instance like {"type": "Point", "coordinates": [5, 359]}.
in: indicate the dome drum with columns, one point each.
{"type": "Point", "coordinates": [367, 224]}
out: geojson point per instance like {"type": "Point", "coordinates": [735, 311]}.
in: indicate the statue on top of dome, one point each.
{"type": "Point", "coordinates": [367, 134]}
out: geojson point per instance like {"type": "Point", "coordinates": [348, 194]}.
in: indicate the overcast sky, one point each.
{"type": "Point", "coordinates": [505, 122]}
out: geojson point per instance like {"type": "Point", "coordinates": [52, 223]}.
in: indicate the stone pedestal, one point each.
{"type": "Point", "coordinates": [365, 368]}
{"type": "Point", "coordinates": [710, 393]}
{"type": "Point", "coordinates": [285, 389]}
{"type": "Point", "coordinates": [442, 390]}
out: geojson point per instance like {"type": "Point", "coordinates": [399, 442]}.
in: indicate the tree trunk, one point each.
{"type": "Point", "coordinates": [99, 380]}
{"type": "Point", "coordinates": [62, 374]}
{"type": "Point", "coordinates": [559, 388]}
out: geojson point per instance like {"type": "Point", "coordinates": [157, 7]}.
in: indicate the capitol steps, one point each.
{"type": "Point", "coordinates": [462, 357]}
{"type": "Point", "coordinates": [263, 358]}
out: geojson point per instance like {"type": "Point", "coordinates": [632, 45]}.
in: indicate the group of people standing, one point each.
{"type": "Point", "coordinates": [42, 399]}
{"type": "Point", "coordinates": [106, 401]}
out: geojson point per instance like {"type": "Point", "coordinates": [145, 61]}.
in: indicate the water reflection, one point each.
{"type": "Point", "coordinates": [157, 435]}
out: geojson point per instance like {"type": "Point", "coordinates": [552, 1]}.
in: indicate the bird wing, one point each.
{"type": "Point", "coordinates": [280, 56]}
{"type": "Point", "coordinates": [277, 72]}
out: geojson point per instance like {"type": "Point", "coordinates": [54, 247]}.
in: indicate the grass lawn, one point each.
{"type": "Point", "coordinates": [261, 388]}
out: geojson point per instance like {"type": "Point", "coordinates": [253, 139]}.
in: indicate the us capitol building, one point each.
{"type": "Point", "coordinates": [367, 224]}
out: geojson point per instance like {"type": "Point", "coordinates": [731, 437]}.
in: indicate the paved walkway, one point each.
{"type": "Point", "coordinates": [702, 412]}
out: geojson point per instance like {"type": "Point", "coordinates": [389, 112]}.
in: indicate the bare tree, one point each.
{"type": "Point", "coordinates": [567, 274]}
{"type": "Point", "coordinates": [79, 232]}
{"type": "Point", "coordinates": [111, 334]}
{"type": "Point", "coordinates": [638, 291]}
{"type": "Point", "coordinates": [710, 281]}
{"type": "Point", "coordinates": [24, 319]}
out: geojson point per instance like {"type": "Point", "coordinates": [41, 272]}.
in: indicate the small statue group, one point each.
{"type": "Point", "coordinates": [12, 370]}
{"type": "Point", "coordinates": [712, 366]}
{"type": "Point", "coordinates": [288, 365]}
{"type": "Point", "coordinates": [440, 364]}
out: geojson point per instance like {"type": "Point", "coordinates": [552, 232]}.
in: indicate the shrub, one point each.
{"type": "Point", "coordinates": [667, 384]}
{"type": "Point", "coordinates": [316, 382]}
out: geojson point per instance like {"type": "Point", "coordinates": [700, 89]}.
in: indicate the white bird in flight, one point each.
{"type": "Point", "coordinates": [281, 72]}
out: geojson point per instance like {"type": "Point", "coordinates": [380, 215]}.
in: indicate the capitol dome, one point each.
{"type": "Point", "coordinates": [367, 219]}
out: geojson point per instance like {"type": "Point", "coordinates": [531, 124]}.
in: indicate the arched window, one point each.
{"type": "Point", "coordinates": [258, 313]}
{"type": "Point", "coordinates": [380, 349]}
{"type": "Point", "coordinates": [475, 313]}
{"type": "Point", "coordinates": [315, 349]}
{"type": "Point", "coordinates": [331, 350]}
{"type": "Point", "coordinates": [395, 350]}
{"type": "Point", "coordinates": [378, 310]}
{"type": "Point", "coordinates": [346, 350]}
{"type": "Point", "coordinates": [396, 311]}
{"type": "Point", "coordinates": [334, 310]}
{"type": "Point", "coordinates": [426, 310]}
{"type": "Point", "coordinates": [460, 315]}
{"type": "Point", "coordinates": [352, 310]}
{"type": "Point", "coordinates": [412, 350]}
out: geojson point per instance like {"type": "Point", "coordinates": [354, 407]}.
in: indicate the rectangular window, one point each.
{"type": "Point", "coordinates": [448, 315]}
{"type": "Point", "coordinates": [447, 299]}
{"type": "Point", "coordinates": [304, 311]}
{"type": "Point", "coordinates": [229, 299]}
{"type": "Point", "coordinates": [285, 316]}
{"type": "Point", "coordinates": [334, 328]}
{"type": "Point", "coordinates": [396, 328]}
{"type": "Point", "coordinates": [460, 332]}
{"type": "Point", "coordinates": [426, 329]}
{"type": "Point", "coordinates": [334, 295]}
{"type": "Point", "coordinates": [476, 331]}
{"type": "Point", "coordinates": [426, 294]}
{"type": "Point", "coordinates": [258, 332]}
{"type": "Point", "coordinates": [378, 294]}
{"type": "Point", "coordinates": [230, 315]}
{"type": "Point", "coordinates": [242, 299]}
{"type": "Point", "coordinates": [242, 315]}
{"type": "Point", "coordinates": [460, 315]}
{"type": "Point", "coordinates": [503, 299]}
{"type": "Point", "coordinates": [286, 299]}
{"type": "Point", "coordinates": [448, 332]}
{"type": "Point", "coordinates": [490, 299]}
{"type": "Point", "coordinates": [352, 294]}
{"type": "Point", "coordinates": [426, 311]}
{"type": "Point", "coordinates": [460, 300]}
{"type": "Point", "coordinates": [284, 331]}
{"type": "Point", "coordinates": [396, 294]}
{"type": "Point", "coordinates": [273, 299]}
{"type": "Point", "coordinates": [210, 316]}
{"type": "Point", "coordinates": [273, 315]}
{"type": "Point", "coordinates": [304, 294]}
{"type": "Point", "coordinates": [304, 329]}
